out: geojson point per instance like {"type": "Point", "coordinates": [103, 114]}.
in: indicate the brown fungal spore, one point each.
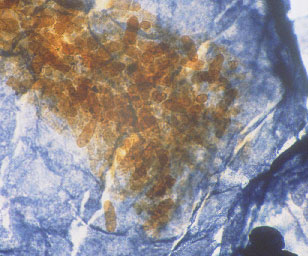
{"type": "Point", "coordinates": [110, 216]}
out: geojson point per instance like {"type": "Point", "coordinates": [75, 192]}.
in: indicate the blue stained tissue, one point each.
{"type": "Point", "coordinates": [241, 191]}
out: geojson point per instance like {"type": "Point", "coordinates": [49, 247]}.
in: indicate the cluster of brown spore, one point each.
{"type": "Point", "coordinates": [140, 106]}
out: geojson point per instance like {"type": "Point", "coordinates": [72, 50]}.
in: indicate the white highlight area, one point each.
{"type": "Point", "coordinates": [299, 8]}
{"type": "Point", "coordinates": [78, 233]}
{"type": "Point", "coordinates": [299, 14]}
{"type": "Point", "coordinates": [289, 143]}
{"type": "Point", "coordinates": [102, 4]}
{"type": "Point", "coordinates": [79, 229]}
{"type": "Point", "coordinates": [218, 238]}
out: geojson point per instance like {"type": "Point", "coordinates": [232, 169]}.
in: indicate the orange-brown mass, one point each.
{"type": "Point", "coordinates": [140, 105]}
